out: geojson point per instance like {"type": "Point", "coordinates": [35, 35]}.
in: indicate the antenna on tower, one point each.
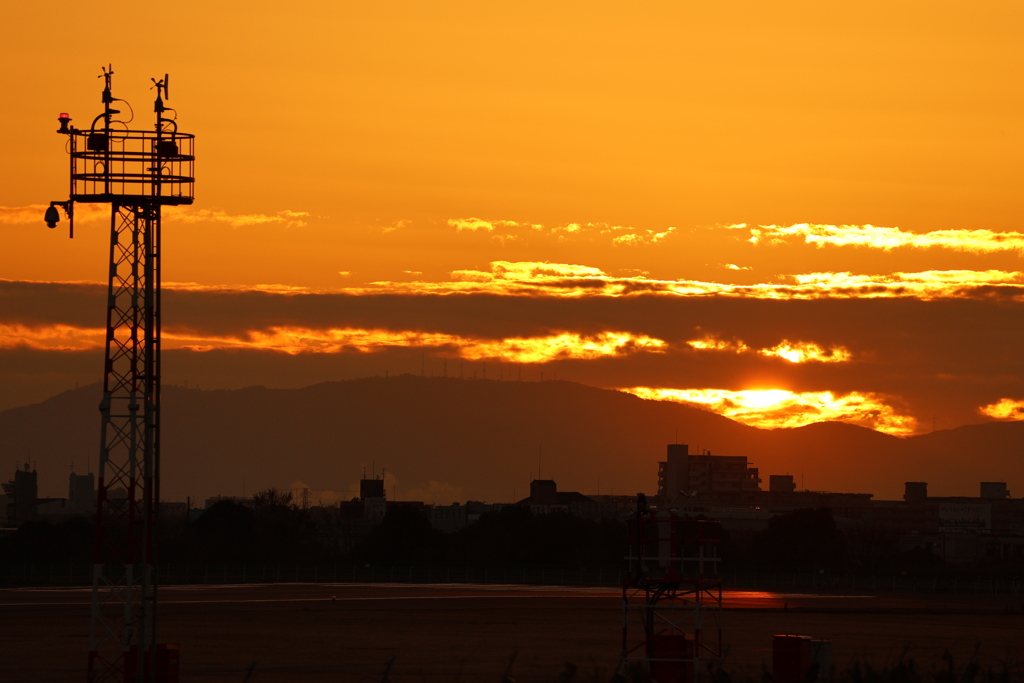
{"type": "Point", "coordinates": [107, 76]}
{"type": "Point", "coordinates": [161, 86]}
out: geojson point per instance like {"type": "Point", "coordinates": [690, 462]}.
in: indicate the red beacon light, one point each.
{"type": "Point", "coordinates": [64, 119]}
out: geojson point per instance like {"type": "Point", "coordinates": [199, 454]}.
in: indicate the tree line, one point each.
{"type": "Point", "coordinates": [273, 529]}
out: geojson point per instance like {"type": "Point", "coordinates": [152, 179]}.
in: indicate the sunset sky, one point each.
{"type": "Point", "coordinates": [784, 212]}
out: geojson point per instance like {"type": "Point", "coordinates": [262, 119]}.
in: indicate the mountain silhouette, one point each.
{"type": "Point", "coordinates": [443, 438]}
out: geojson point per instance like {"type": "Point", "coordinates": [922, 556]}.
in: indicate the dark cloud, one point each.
{"type": "Point", "coordinates": [34, 303]}
{"type": "Point", "coordinates": [944, 358]}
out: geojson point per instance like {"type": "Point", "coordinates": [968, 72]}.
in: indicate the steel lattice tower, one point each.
{"type": "Point", "coordinates": [136, 172]}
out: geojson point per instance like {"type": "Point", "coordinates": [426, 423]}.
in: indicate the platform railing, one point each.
{"type": "Point", "coordinates": [132, 166]}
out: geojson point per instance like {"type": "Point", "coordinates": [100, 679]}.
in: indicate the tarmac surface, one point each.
{"type": "Point", "coordinates": [455, 632]}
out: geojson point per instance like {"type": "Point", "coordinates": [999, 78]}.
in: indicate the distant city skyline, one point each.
{"type": "Point", "coordinates": [984, 526]}
{"type": "Point", "coordinates": [443, 440]}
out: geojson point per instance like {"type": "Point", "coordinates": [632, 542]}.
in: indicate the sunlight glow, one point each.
{"type": "Point", "coordinates": [51, 337]}
{"type": "Point", "coordinates": [511, 231]}
{"type": "Point", "coordinates": [187, 214]}
{"type": "Point", "coordinates": [298, 340]}
{"type": "Point", "coordinates": [641, 237]}
{"type": "Point", "coordinates": [264, 288]}
{"type": "Point", "coordinates": [1004, 409]}
{"type": "Point", "coordinates": [562, 346]}
{"type": "Point", "coordinates": [567, 280]}
{"type": "Point", "coordinates": [802, 352]}
{"type": "Point", "coordinates": [778, 408]}
{"type": "Point", "coordinates": [794, 352]}
{"type": "Point", "coordinates": [532, 278]}
{"type": "Point", "coordinates": [934, 278]}
{"type": "Point", "coordinates": [972, 241]}
{"type": "Point", "coordinates": [715, 344]}
{"type": "Point", "coordinates": [86, 213]}
{"type": "Point", "coordinates": [471, 224]}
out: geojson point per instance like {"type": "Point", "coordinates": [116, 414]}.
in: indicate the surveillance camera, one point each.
{"type": "Point", "coordinates": [52, 217]}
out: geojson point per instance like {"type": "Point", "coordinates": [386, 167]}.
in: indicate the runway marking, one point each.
{"type": "Point", "coordinates": [446, 591]}
{"type": "Point", "coordinates": [492, 587]}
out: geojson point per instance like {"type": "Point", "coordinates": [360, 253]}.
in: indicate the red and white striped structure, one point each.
{"type": "Point", "coordinates": [136, 172]}
{"type": "Point", "coordinates": [672, 595]}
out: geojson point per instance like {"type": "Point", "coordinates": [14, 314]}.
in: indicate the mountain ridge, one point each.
{"type": "Point", "coordinates": [447, 439]}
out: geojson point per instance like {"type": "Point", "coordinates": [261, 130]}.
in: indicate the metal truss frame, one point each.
{"type": "Point", "coordinates": [672, 597]}
{"type": "Point", "coordinates": [137, 172]}
{"type": "Point", "coordinates": [124, 583]}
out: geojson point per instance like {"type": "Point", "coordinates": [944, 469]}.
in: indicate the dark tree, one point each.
{"type": "Point", "coordinates": [227, 532]}
{"type": "Point", "coordinates": [803, 539]}
{"type": "Point", "coordinates": [514, 535]}
{"type": "Point", "coordinates": [44, 541]}
{"type": "Point", "coordinates": [404, 535]}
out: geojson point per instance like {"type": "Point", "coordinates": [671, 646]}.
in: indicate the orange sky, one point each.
{"type": "Point", "coordinates": [390, 153]}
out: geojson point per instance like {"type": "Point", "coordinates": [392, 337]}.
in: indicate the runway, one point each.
{"type": "Point", "coordinates": [352, 592]}
{"type": "Point", "coordinates": [447, 632]}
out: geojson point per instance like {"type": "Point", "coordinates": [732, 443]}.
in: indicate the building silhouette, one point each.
{"type": "Point", "coordinates": [704, 476]}
{"type": "Point", "coordinates": [989, 527]}
{"type": "Point", "coordinates": [372, 496]}
{"type": "Point", "coordinates": [449, 518]}
{"type": "Point", "coordinates": [914, 491]}
{"type": "Point", "coordinates": [23, 495]}
{"type": "Point", "coordinates": [781, 483]}
{"type": "Point", "coordinates": [954, 528]}
{"type": "Point", "coordinates": [81, 493]}
{"type": "Point", "coordinates": [23, 502]}
{"type": "Point", "coordinates": [994, 489]}
{"type": "Point", "coordinates": [545, 498]}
